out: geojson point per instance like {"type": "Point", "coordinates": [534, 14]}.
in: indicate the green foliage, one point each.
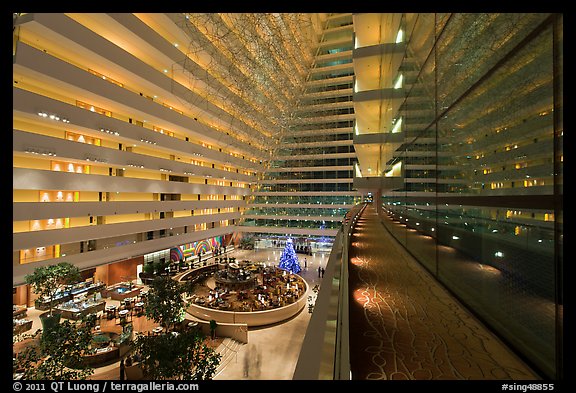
{"type": "Point", "coordinates": [160, 267]}
{"type": "Point", "coordinates": [47, 281]}
{"type": "Point", "coordinates": [172, 355]}
{"type": "Point", "coordinates": [213, 326]}
{"type": "Point", "coordinates": [182, 356]}
{"type": "Point", "coordinates": [247, 242]}
{"type": "Point", "coordinates": [126, 335]}
{"type": "Point", "coordinates": [165, 304]}
{"type": "Point", "coordinates": [58, 355]}
{"type": "Point", "coordinates": [189, 286]}
{"type": "Point", "coordinates": [148, 268]}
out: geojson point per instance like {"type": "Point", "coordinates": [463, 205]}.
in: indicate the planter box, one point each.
{"type": "Point", "coordinates": [21, 328]}
{"type": "Point", "coordinates": [77, 314]}
{"type": "Point", "coordinates": [113, 293]}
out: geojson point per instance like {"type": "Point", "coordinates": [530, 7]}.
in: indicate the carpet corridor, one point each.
{"type": "Point", "coordinates": [404, 325]}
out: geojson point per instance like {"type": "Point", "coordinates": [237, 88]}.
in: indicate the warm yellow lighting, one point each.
{"type": "Point", "coordinates": [357, 168]}
{"type": "Point", "coordinates": [399, 81]}
{"type": "Point", "coordinates": [400, 36]}
{"type": "Point", "coordinates": [489, 269]}
{"type": "Point", "coordinates": [397, 126]}
{"type": "Point", "coordinates": [395, 171]}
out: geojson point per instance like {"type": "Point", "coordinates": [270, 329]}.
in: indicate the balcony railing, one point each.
{"type": "Point", "coordinates": [325, 351]}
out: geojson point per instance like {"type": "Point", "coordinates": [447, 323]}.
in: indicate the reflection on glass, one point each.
{"type": "Point", "coordinates": [482, 165]}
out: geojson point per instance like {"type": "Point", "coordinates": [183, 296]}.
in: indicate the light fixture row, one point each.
{"type": "Point", "coordinates": [106, 130]}
{"type": "Point", "coordinates": [33, 150]}
{"type": "Point", "coordinates": [53, 117]}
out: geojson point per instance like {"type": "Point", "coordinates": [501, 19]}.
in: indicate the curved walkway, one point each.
{"type": "Point", "coordinates": [405, 325]}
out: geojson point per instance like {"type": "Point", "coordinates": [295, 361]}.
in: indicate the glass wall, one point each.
{"type": "Point", "coordinates": [482, 204]}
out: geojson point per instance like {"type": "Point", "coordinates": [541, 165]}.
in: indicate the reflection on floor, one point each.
{"type": "Point", "coordinates": [272, 351]}
{"type": "Point", "coordinates": [521, 311]}
{"type": "Point", "coordinates": [404, 325]}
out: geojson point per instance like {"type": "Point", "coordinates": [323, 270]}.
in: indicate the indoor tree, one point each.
{"type": "Point", "coordinates": [172, 354]}
{"type": "Point", "coordinates": [48, 281]}
{"type": "Point", "coordinates": [288, 259]}
{"type": "Point", "coordinates": [182, 356]}
{"type": "Point", "coordinates": [59, 354]}
{"type": "Point", "coordinates": [165, 303]}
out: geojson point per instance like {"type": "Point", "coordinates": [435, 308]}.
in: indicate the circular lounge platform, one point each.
{"type": "Point", "coordinates": [250, 293]}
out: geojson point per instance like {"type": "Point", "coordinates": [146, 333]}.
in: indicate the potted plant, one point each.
{"type": "Point", "coordinates": [176, 353]}
{"type": "Point", "coordinates": [213, 325]}
{"type": "Point", "coordinates": [47, 282]}
{"type": "Point", "coordinates": [165, 304]}
{"type": "Point", "coordinates": [147, 272]}
{"type": "Point", "coordinates": [59, 355]}
{"type": "Point", "coordinates": [185, 356]}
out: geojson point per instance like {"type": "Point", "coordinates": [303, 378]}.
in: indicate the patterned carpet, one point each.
{"type": "Point", "coordinates": [406, 326]}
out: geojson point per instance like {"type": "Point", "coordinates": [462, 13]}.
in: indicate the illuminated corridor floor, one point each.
{"type": "Point", "coordinates": [406, 326]}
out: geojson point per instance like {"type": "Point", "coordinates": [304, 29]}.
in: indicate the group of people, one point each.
{"type": "Point", "coordinates": [219, 250]}
{"type": "Point", "coordinates": [216, 251]}
{"type": "Point", "coordinates": [321, 270]}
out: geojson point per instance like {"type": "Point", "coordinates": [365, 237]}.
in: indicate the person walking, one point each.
{"type": "Point", "coordinates": [319, 270]}
{"type": "Point", "coordinates": [305, 263]}
{"type": "Point", "coordinates": [323, 270]}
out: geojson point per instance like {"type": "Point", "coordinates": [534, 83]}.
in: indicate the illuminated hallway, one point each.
{"type": "Point", "coordinates": [405, 325]}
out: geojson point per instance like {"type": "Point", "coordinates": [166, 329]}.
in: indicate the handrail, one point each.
{"type": "Point", "coordinates": [342, 351]}
{"type": "Point", "coordinates": [325, 349]}
{"type": "Point", "coordinates": [226, 346]}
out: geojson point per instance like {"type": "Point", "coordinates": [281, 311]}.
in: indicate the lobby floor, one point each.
{"type": "Point", "coordinates": [403, 324]}
{"type": "Point", "coordinates": [271, 352]}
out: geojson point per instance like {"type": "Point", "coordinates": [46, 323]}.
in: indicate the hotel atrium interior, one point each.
{"type": "Point", "coordinates": [417, 157]}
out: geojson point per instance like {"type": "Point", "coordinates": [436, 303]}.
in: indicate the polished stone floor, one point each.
{"type": "Point", "coordinates": [271, 352]}
{"type": "Point", "coordinates": [403, 324]}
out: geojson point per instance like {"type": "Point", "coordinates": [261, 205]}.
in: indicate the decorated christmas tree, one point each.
{"type": "Point", "coordinates": [288, 259]}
